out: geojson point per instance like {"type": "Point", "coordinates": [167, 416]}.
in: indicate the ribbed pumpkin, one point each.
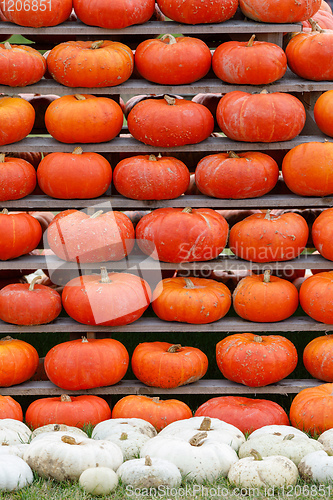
{"type": "Point", "coordinates": [20, 65]}
{"type": "Point", "coordinates": [312, 409]}
{"type": "Point", "coordinates": [9, 408]}
{"type": "Point", "coordinates": [158, 412]}
{"type": "Point", "coordinates": [236, 176]}
{"type": "Point", "coordinates": [316, 297]}
{"type": "Point", "coordinates": [76, 411]}
{"type": "Point", "coordinates": [176, 235]}
{"type": "Point", "coordinates": [308, 169]}
{"type": "Point", "coordinates": [37, 14]}
{"type": "Point", "coordinates": [76, 175]}
{"type": "Point", "coordinates": [264, 298]}
{"type": "Point", "coordinates": [17, 117]}
{"type": "Point", "coordinates": [114, 15]}
{"type": "Point", "coordinates": [165, 365]}
{"type": "Point", "coordinates": [29, 304]}
{"type": "Point", "coordinates": [18, 361]}
{"type": "Point", "coordinates": [244, 413]}
{"type": "Point", "coordinates": [198, 11]}
{"type": "Point", "coordinates": [317, 358]}
{"type": "Point", "coordinates": [77, 237]}
{"type": "Point", "coordinates": [249, 63]}
{"type": "Point", "coordinates": [83, 118]}
{"type": "Point", "coordinates": [322, 233]}
{"type": "Point", "coordinates": [322, 112]}
{"type": "Point", "coordinates": [17, 178]}
{"type": "Point", "coordinates": [254, 360]}
{"type": "Point", "coordinates": [279, 11]}
{"type": "Point", "coordinates": [265, 238]}
{"type": "Point", "coordinates": [191, 300]}
{"type": "Point", "coordinates": [20, 234]}
{"type": "Point", "coordinates": [173, 61]}
{"type": "Point", "coordinates": [99, 63]}
{"type": "Point", "coordinates": [86, 363]}
{"type": "Point", "coordinates": [150, 177]}
{"type": "Point", "coordinates": [170, 122]}
{"type": "Point", "coordinates": [264, 117]}
{"type": "Point", "coordinates": [110, 299]}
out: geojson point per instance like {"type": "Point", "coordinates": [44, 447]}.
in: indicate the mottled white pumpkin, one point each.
{"type": "Point", "coordinates": [317, 466]}
{"type": "Point", "coordinates": [103, 429]}
{"type": "Point", "coordinates": [326, 439]}
{"type": "Point", "coordinates": [149, 472]}
{"type": "Point", "coordinates": [258, 472]}
{"type": "Point", "coordinates": [15, 473]}
{"type": "Point", "coordinates": [67, 458]}
{"type": "Point", "coordinates": [14, 449]}
{"type": "Point", "coordinates": [59, 428]}
{"type": "Point", "coordinates": [98, 480]}
{"type": "Point", "coordinates": [283, 430]}
{"type": "Point", "coordinates": [199, 459]}
{"type": "Point", "coordinates": [57, 435]}
{"type": "Point", "coordinates": [128, 438]}
{"type": "Point", "coordinates": [13, 431]}
{"type": "Point", "coordinates": [291, 447]}
{"type": "Point", "coordinates": [216, 429]}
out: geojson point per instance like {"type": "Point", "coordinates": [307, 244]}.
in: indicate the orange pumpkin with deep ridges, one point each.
{"type": "Point", "coordinates": [322, 233]}
{"type": "Point", "coordinates": [317, 358]}
{"type": "Point", "coordinates": [316, 297]}
{"type": "Point", "coordinates": [254, 360]}
{"type": "Point", "coordinates": [312, 409]}
{"type": "Point", "coordinates": [19, 361]}
{"type": "Point", "coordinates": [20, 65]}
{"type": "Point", "coordinates": [20, 232]}
{"type": "Point", "coordinates": [165, 365]}
{"type": "Point", "coordinates": [198, 11]}
{"type": "Point", "coordinates": [17, 178]}
{"type": "Point", "coordinates": [17, 117]}
{"type": "Point", "coordinates": [158, 412]}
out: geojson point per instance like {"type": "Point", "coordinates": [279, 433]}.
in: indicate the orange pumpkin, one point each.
{"type": "Point", "coordinates": [312, 409]}
{"type": "Point", "coordinates": [264, 298]}
{"type": "Point", "coordinates": [317, 358]}
{"type": "Point", "coordinates": [17, 178]}
{"type": "Point", "coordinates": [158, 412]}
{"type": "Point", "coordinates": [254, 360]}
{"type": "Point", "coordinates": [316, 297]}
{"type": "Point", "coordinates": [20, 65]}
{"type": "Point", "coordinates": [160, 364]}
{"type": "Point", "coordinates": [17, 117]}
{"type": "Point", "coordinates": [19, 361]}
{"type": "Point", "coordinates": [322, 111]}
{"type": "Point", "coordinates": [20, 234]}
{"type": "Point", "coordinates": [9, 408]}
{"type": "Point", "coordinates": [191, 300]}
{"type": "Point", "coordinates": [322, 233]}
{"type": "Point", "coordinates": [279, 11]}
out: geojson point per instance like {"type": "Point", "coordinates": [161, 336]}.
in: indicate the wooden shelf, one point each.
{"type": "Point", "coordinates": [153, 324]}
{"type": "Point", "coordinates": [209, 387]}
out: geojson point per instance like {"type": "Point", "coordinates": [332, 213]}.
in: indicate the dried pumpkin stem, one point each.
{"type": "Point", "coordinates": [170, 100]}
{"type": "Point", "coordinates": [256, 454]}
{"type": "Point", "coordinates": [64, 398]}
{"type": "Point", "coordinates": [148, 461]}
{"type": "Point", "coordinates": [187, 210]}
{"type": "Point", "coordinates": [97, 44]}
{"type": "Point", "coordinates": [84, 339]}
{"type": "Point", "coordinates": [96, 214]}
{"type": "Point", "coordinates": [171, 38]}
{"type": "Point", "coordinates": [198, 439]}
{"type": "Point", "coordinates": [4, 211]}
{"type": "Point", "coordinates": [205, 424]}
{"type": "Point", "coordinates": [33, 282]}
{"type": "Point", "coordinates": [288, 437]}
{"type": "Point", "coordinates": [56, 427]}
{"type": "Point", "coordinates": [257, 338]}
{"type": "Point", "coordinates": [264, 91]}
{"type": "Point", "coordinates": [232, 154]}
{"type": "Point", "coordinates": [2, 157]}
{"type": "Point", "coordinates": [77, 151]}
{"type": "Point", "coordinates": [68, 440]}
{"type": "Point", "coordinates": [7, 45]}
{"type": "Point", "coordinates": [123, 436]}
{"type": "Point", "coordinates": [174, 348]}
{"type": "Point", "coordinates": [8, 338]}
{"type": "Point", "coordinates": [315, 26]}
{"type": "Point", "coordinates": [250, 42]}
{"type": "Point", "coordinates": [268, 215]}
{"type": "Point", "coordinates": [267, 276]}
{"type": "Point", "coordinates": [152, 158]}
{"type": "Point", "coordinates": [104, 276]}
{"type": "Point", "coordinates": [79, 97]}
{"type": "Point", "coordinates": [188, 283]}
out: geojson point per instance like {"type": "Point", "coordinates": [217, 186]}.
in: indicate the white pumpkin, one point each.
{"type": "Point", "coordinates": [199, 459]}
{"type": "Point", "coordinates": [14, 449]}
{"type": "Point", "coordinates": [291, 447]}
{"type": "Point", "coordinates": [216, 429]}
{"type": "Point", "coordinates": [326, 439]}
{"type": "Point", "coordinates": [104, 428]}
{"type": "Point", "coordinates": [57, 435]}
{"type": "Point", "coordinates": [98, 480]}
{"type": "Point", "coordinates": [59, 428]}
{"type": "Point", "coordinates": [67, 458]}
{"type": "Point", "coordinates": [128, 438]}
{"type": "Point", "coordinates": [258, 472]}
{"type": "Point", "coordinates": [13, 432]}
{"type": "Point", "coordinates": [282, 430]}
{"type": "Point", "coordinates": [15, 473]}
{"type": "Point", "coordinates": [149, 472]}
{"type": "Point", "coordinates": [317, 466]}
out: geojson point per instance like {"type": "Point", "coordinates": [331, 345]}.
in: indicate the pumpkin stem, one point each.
{"type": "Point", "coordinates": [84, 339]}
{"type": "Point", "coordinates": [205, 424]}
{"type": "Point", "coordinates": [104, 276]}
{"type": "Point", "coordinates": [198, 439]}
{"type": "Point", "coordinates": [232, 154]}
{"type": "Point", "coordinates": [170, 100]}
{"type": "Point", "coordinates": [56, 427]}
{"type": "Point", "coordinates": [148, 461]}
{"type": "Point", "coordinates": [174, 348]}
{"type": "Point", "coordinates": [188, 283]}
{"type": "Point", "coordinates": [264, 91]}
{"type": "Point", "coordinates": [97, 44]}
{"type": "Point", "coordinates": [2, 158]}
{"type": "Point", "coordinates": [315, 26]}
{"type": "Point", "coordinates": [4, 211]}
{"type": "Point", "coordinates": [68, 440]}
{"type": "Point", "coordinates": [268, 214]}
{"type": "Point", "coordinates": [64, 398]}
{"type": "Point", "coordinates": [123, 436]}
{"type": "Point", "coordinates": [33, 282]}
{"type": "Point", "coordinates": [267, 276]}
{"type": "Point", "coordinates": [257, 338]}
{"type": "Point", "coordinates": [152, 158]}
{"type": "Point", "coordinates": [256, 454]}
{"type": "Point", "coordinates": [77, 151]}
{"type": "Point", "coordinates": [8, 338]}
{"type": "Point", "coordinates": [156, 399]}
{"type": "Point", "coordinates": [79, 97]}
{"type": "Point", "coordinates": [187, 210]}
{"type": "Point", "coordinates": [7, 45]}
{"type": "Point", "coordinates": [288, 437]}
{"type": "Point", "coordinates": [96, 214]}
{"type": "Point", "coordinates": [171, 38]}
{"type": "Point", "coordinates": [250, 42]}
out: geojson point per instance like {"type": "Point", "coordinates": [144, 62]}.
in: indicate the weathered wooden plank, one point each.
{"type": "Point", "coordinates": [209, 387]}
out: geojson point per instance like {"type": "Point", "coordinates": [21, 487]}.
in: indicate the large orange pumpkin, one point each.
{"type": "Point", "coordinates": [264, 298]}
{"type": "Point", "coordinates": [279, 11]}
{"type": "Point", "coordinates": [20, 65]}
{"type": "Point", "coordinates": [312, 409]}
{"type": "Point", "coordinates": [165, 365]}
{"type": "Point", "coordinates": [9, 408]}
{"type": "Point", "coordinates": [20, 234]}
{"type": "Point", "coordinates": [86, 363]}
{"type": "Point", "coordinates": [265, 238]}
{"type": "Point", "coordinates": [83, 118]}
{"type": "Point", "coordinates": [318, 359]}
{"type": "Point", "coordinates": [76, 411]}
{"type": "Point", "coordinates": [17, 118]}
{"type": "Point", "coordinates": [37, 14]}
{"type": "Point", "coordinates": [99, 63]}
{"type": "Point", "coordinates": [198, 11]}
{"type": "Point", "coordinates": [254, 360]}
{"type": "Point", "coordinates": [176, 235]}
{"type": "Point", "coordinates": [260, 117]}
{"type": "Point", "coordinates": [316, 297]}
{"type": "Point", "coordinates": [17, 178]}
{"type": "Point", "coordinates": [322, 111]}
{"type": "Point", "coordinates": [18, 361]}
{"type": "Point", "coordinates": [191, 300]}
{"type": "Point", "coordinates": [322, 233]}
{"type": "Point", "coordinates": [158, 412]}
